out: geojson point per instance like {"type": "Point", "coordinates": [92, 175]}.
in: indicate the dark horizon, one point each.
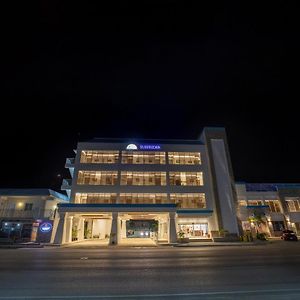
{"type": "Point", "coordinates": [153, 70]}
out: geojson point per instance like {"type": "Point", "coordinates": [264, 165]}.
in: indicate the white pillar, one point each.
{"type": "Point", "coordinates": [54, 228]}
{"type": "Point", "coordinates": [113, 239]}
{"type": "Point", "coordinates": [60, 232]}
{"type": "Point", "coordinates": [81, 229]}
{"type": "Point", "coordinates": [69, 226]}
{"type": "Point", "coordinates": [172, 228]}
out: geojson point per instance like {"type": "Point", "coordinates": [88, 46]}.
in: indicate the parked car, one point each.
{"type": "Point", "coordinates": [289, 235]}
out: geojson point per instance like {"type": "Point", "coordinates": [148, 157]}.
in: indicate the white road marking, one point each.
{"type": "Point", "coordinates": [156, 295]}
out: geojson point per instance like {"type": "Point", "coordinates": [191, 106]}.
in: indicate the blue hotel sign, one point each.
{"type": "Point", "coordinates": [149, 147]}
{"type": "Point", "coordinates": [143, 147]}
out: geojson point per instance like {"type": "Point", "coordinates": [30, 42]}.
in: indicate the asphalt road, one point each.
{"type": "Point", "coordinates": [234, 272]}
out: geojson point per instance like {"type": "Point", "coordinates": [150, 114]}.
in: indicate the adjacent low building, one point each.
{"type": "Point", "coordinates": [126, 190]}
{"type": "Point", "coordinates": [276, 206]}
{"type": "Point", "coordinates": [28, 214]}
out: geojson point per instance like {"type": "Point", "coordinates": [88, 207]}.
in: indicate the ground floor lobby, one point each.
{"type": "Point", "coordinates": [129, 228]}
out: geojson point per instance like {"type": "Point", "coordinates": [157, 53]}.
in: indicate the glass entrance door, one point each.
{"type": "Point", "coordinates": [141, 228]}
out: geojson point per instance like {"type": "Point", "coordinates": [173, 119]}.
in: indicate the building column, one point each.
{"type": "Point", "coordinates": [113, 238]}
{"type": "Point", "coordinates": [69, 227]}
{"type": "Point", "coordinates": [60, 231]}
{"type": "Point", "coordinates": [172, 228]}
{"type": "Point", "coordinates": [81, 229]}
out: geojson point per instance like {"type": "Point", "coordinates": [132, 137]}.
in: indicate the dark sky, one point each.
{"type": "Point", "coordinates": [159, 69]}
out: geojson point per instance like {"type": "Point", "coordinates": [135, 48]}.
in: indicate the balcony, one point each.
{"type": "Point", "coordinates": [66, 184]}
{"type": "Point", "coordinates": [70, 162]}
{"type": "Point", "coordinates": [37, 213]}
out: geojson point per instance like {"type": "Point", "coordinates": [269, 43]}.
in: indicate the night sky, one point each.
{"type": "Point", "coordinates": [159, 69]}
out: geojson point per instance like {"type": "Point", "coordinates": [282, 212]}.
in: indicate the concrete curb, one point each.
{"type": "Point", "coordinates": [223, 244]}
{"type": "Point", "coordinates": [18, 246]}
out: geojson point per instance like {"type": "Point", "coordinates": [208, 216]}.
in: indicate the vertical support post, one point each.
{"type": "Point", "coordinates": [60, 232]}
{"type": "Point", "coordinates": [69, 229]}
{"type": "Point", "coordinates": [113, 238]}
{"type": "Point", "coordinates": [172, 228]}
{"type": "Point", "coordinates": [81, 229]}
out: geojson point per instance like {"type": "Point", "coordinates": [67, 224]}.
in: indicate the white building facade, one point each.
{"type": "Point", "coordinates": [124, 190]}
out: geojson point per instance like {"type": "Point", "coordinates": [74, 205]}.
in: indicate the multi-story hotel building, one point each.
{"type": "Point", "coordinates": [125, 190]}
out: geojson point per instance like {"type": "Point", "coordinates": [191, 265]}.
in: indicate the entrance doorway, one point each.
{"type": "Point", "coordinates": [138, 228]}
{"type": "Point", "coordinates": [141, 228]}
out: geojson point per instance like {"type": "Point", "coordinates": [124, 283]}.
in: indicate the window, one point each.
{"type": "Point", "coordinates": [186, 178]}
{"type": "Point", "coordinates": [143, 178]}
{"type": "Point", "coordinates": [293, 204]}
{"type": "Point", "coordinates": [99, 157]}
{"type": "Point", "coordinates": [97, 177]}
{"type": "Point", "coordinates": [139, 198]}
{"type": "Point", "coordinates": [95, 198]}
{"type": "Point", "coordinates": [143, 157]}
{"type": "Point", "coordinates": [189, 200]}
{"type": "Point", "coordinates": [28, 206]}
{"type": "Point", "coordinates": [278, 225]}
{"type": "Point", "coordinates": [274, 205]}
{"type": "Point", "coordinates": [184, 158]}
{"type": "Point", "coordinates": [194, 230]}
{"type": "Point", "coordinates": [242, 203]}
{"type": "Point", "coordinates": [255, 202]}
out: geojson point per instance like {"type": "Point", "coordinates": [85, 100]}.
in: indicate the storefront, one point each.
{"type": "Point", "coordinates": [194, 230]}
{"type": "Point", "coordinates": [194, 227]}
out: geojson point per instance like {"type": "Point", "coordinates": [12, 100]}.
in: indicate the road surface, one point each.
{"type": "Point", "coordinates": [234, 272]}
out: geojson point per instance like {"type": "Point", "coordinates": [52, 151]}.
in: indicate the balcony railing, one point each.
{"type": "Point", "coordinates": [27, 214]}
{"type": "Point", "coordinates": [66, 184]}
{"type": "Point", "coordinates": [70, 162]}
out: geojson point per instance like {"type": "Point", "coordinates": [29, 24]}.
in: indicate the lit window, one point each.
{"type": "Point", "coordinates": [293, 204]}
{"type": "Point", "coordinates": [95, 198]}
{"type": "Point", "coordinates": [255, 202]}
{"type": "Point", "coordinates": [186, 178]}
{"type": "Point", "coordinates": [143, 157]}
{"type": "Point", "coordinates": [143, 178]}
{"type": "Point", "coordinates": [99, 157]}
{"type": "Point", "coordinates": [184, 158]}
{"type": "Point", "coordinates": [97, 177]}
{"type": "Point", "coordinates": [274, 205]}
{"type": "Point", "coordinates": [189, 200]}
{"type": "Point", "coordinates": [140, 198]}
{"type": "Point", "coordinates": [242, 203]}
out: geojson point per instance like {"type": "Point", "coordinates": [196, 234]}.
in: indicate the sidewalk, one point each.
{"type": "Point", "coordinates": [218, 244]}
{"type": "Point", "coordinates": [20, 245]}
